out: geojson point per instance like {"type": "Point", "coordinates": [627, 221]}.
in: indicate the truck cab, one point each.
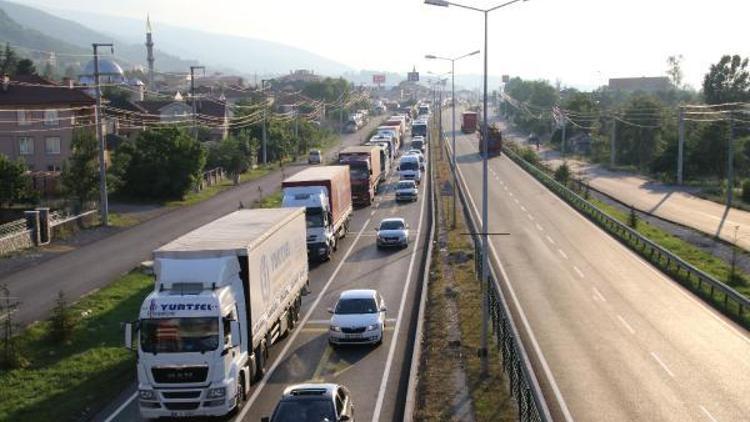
{"type": "Point", "coordinates": [360, 172]}
{"type": "Point", "coordinates": [321, 238]}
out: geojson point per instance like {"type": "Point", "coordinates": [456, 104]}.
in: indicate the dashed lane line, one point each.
{"type": "Point", "coordinates": [562, 253]}
{"type": "Point", "coordinates": [579, 272]}
{"type": "Point", "coordinates": [662, 364]}
{"type": "Point", "coordinates": [707, 413]}
{"type": "Point", "coordinates": [625, 324]}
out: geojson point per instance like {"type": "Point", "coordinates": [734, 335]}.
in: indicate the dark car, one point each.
{"type": "Point", "coordinates": [313, 403]}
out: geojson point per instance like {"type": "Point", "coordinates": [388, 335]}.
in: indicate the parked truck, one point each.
{"type": "Point", "coordinates": [326, 194]}
{"type": "Point", "coordinates": [469, 122]}
{"type": "Point", "coordinates": [224, 293]}
{"type": "Point", "coordinates": [495, 145]}
{"type": "Point", "coordinates": [364, 169]}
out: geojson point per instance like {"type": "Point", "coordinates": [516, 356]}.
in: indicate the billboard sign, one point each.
{"type": "Point", "coordinates": [378, 79]}
{"type": "Point", "coordinates": [506, 79]}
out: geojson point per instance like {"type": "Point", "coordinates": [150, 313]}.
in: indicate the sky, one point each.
{"type": "Point", "coordinates": [581, 43]}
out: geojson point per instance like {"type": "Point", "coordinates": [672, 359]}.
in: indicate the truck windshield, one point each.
{"type": "Point", "coordinates": [359, 172]}
{"type": "Point", "coordinates": [419, 130]}
{"type": "Point", "coordinates": [409, 165]}
{"type": "Point", "coordinates": [314, 217]}
{"type": "Point", "coordinates": [179, 335]}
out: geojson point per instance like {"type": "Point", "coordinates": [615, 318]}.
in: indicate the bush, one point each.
{"type": "Point", "coordinates": [562, 174]}
{"type": "Point", "coordinates": [633, 219]}
{"type": "Point", "coordinates": [63, 320]}
{"type": "Point", "coordinates": [746, 191]}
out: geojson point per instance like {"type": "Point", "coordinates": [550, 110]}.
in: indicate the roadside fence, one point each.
{"type": "Point", "coordinates": [38, 227]}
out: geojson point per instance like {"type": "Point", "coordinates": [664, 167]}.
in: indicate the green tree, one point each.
{"type": "Point", "coordinates": [15, 185]}
{"type": "Point", "coordinates": [639, 140]}
{"type": "Point", "coordinates": [727, 81]}
{"type": "Point", "coordinates": [25, 67]}
{"type": "Point", "coordinates": [233, 154]}
{"type": "Point", "coordinates": [9, 61]}
{"type": "Point", "coordinates": [80, 175]}
{"type": "Point", "coordinates": [674, 69]}
{"type": "Point", "coordinates": [160, 163]}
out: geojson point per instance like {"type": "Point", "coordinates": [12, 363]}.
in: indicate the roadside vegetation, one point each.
{"type": "Point", "coordinates": [454, 297]}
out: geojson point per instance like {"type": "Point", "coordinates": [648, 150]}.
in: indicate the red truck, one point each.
{"type": "Point", "coordinates": [364, 170]}
{"type": "Point", "coordinates": [468, 122]}
{"type": "Point", "coordinates": [495, 146]}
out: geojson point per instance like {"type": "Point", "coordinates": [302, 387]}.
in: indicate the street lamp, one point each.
{"type": "Point", "coordinates": [453, 124]}
{"type": "Point", "coordinates": [485, 225]}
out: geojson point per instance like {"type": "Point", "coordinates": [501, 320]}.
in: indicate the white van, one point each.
{"type": "Point", "coordinates": [408, 168]}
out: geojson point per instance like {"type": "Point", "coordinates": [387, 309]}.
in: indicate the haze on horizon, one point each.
{"type": "Point", "coordinates": [581, 43]}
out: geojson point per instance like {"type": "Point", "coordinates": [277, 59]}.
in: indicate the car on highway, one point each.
{"type": "Point", "coordinates": [392, 232]}
{"type": "Point", "coordinates": [409, 168]}
{"type": "Point", "coordinates": [422, 160]}
{"type": "Point", "coordinates": [417, 142]}
{"type": "Point", "coordinates": [357, 318]}
{"type": "Point", "coordinates": [406, 190]}
{"type": "Point", "coordinates": [313, 403]}
{"type": "Point", "coordinates": [314, 157]}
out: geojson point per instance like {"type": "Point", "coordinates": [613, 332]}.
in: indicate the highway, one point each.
{"type": "Point", "coordinates": [376, 376]}
{"type": "Point", "coordinates": [37, 286]}
{"type": "Point", "coordinates": [610, 337]}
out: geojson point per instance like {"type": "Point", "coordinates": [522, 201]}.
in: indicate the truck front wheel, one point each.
{"type": "Point", "coordinates": [261, 353]}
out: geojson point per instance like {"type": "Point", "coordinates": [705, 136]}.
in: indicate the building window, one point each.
{"type": "Point", "coordinates": [26, 145]}
{"type": "Point", "coordinates": [50, 118]}
{"type": "Point", "coordinates": [25, 117]}
{"type": "Point", "coordinates": [52, 145]}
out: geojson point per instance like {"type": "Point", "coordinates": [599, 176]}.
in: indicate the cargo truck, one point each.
{"type": "Point", "coordinates": [495, 146]}
{"type": "Point", "coordinates": [385, 158]}
{"type": "Point", "coordinates": [364, 169]}
{"type": "Point", "coordinates": [394, 131]}
{"type": "Point", "coordinates": [326, 194]}
{"type": "Point", "coordinates": [224, 293]}
{"type": "Point", "coordinates": [468, 122]}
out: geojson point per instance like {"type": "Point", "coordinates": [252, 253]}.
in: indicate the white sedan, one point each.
{"type": "Point", "coordinates": [357, 318]}
{"type": "Point", "coordinates": [393, 232]}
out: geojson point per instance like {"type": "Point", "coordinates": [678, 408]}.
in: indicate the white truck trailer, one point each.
{"type": "Point", "coordinates": [224, 294]}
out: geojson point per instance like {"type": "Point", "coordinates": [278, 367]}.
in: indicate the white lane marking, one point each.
{"type": "Point", "coordinates": [516, 201]}
{"type": "Point", "coordinates": [523, 208]}
{"type": "Point", "coordinates": [662, 364]}
{"type": "Point", "coordinates": [562, 253]}
{"type": "Point", "coordinates": [707, 413]}
{"type": "Point", "coordinates": [505, 187]}
{"type": "Point", "coordinates": [531, 217]}
{"type": "Point", "coordinates": [510, 193]}
{"type": "Point", "coordinates": [328, 321]}
{"type": "Point", "coordinates": [372, 213]}
{"type": "Point", "coordinates": [122, 407]}
{"type": "Point", "coordinates": [549, 239]}
{"type": "Point", "coordinates": [625, 323]}
{"type": "Point", "coordinates": [579, 272]}
{"type": "Point", "coordinates": [524, 320]}
{"type": "Point", "coordinates": [538, 227]}
{"type": "Point", "coordinates": [394, 339]}
{"type": "Point", "coordinates": [599, 294]}
{"type": "Point", "coordinates": [502, 183]}
{"type": "Point", "coordinates": [712, 312]}
{"type": "Point", "coordinates": [295, 333]}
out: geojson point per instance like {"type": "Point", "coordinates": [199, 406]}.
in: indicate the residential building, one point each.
{"type": "Point", "coordinates": [37, 119]}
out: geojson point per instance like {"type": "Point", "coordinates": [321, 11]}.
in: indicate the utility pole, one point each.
{"type": "Point", "coordinates": [680, 145]}
{"type": "Point", "coordinates": [296, 127]}
{"type": "Point", "coordinates": [730, 162]}
{"type": "Point", "coordinates": [265, 135]}
{"type": "Point", "coordinates": [103, 200]}
{"type": "Point", "coordinates": [564, 124]}
{"type": "Point", "coordinates": [485, 283]}
{"type": "Point", "coordinates": [613, 143]}
{"type": "Point", "coordinates": [440, 122]}
{"type": "Point", "coordinates": [453, 136]}
{"type": "Point", "coordinates": [192, 97]}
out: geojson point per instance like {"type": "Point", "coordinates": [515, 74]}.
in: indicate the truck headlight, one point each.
{"type": "Point", "coordinates": [214, 393]}
{"type": "Point", "coordinates": [147, 394]}
{"type": "Point", "coordinates": [335, 328]}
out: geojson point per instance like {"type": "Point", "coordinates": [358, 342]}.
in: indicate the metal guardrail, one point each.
{"type": "Point", "coordinates": [734, 303]}
{"type": "Point", "coordinates": [523, 384]}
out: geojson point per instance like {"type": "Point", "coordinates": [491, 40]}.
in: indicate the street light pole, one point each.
{"type": "Point", "coordinates": [192, 97]}
{"type": "Point", "coordinates": [485, 167]}
{"type": "Point", "coordinates": [103, 199]}
{"type": "Point", "coordinates": [265, 136]}
{"type": "Point", "coordinates": [453, 121]}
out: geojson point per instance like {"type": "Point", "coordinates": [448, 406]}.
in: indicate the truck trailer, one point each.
{"type": "Point", "coordinates": [224, 293]}
{"type": "Point", "coordinates": [468, 122]}
{"type": "Point", "coordinates": [326, 194]}
{"type": "Point", "coordinates": [364, 169]}
{"type": "Point", "coordinates": [495, 146]}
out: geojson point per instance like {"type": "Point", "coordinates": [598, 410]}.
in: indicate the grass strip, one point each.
{"type": "Point", "coordinates": [70, 381]}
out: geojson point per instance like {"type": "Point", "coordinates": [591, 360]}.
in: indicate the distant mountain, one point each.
{"type": "Point", "coordinates": [15, 34]}
{"type": "Point", "coordinates": [247, 55]}
{"type": "Point", "coordinates": [68, 35]}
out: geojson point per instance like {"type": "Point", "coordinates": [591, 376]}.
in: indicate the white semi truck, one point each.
{"type": "Point", "coordinates": [224, 294]}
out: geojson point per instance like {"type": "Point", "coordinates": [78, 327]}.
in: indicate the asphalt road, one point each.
{"type": "Point", "coordinates": [376, 376]}
{"type": "Point", "coordinates": [610, 337]}
{"type": "Point", "coordinates": [673, 203]}
{"type": "Point", "coordinates": [95, 265]}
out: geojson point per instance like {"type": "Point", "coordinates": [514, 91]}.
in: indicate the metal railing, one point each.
{"type": "Point", "coordinates": [730, 301]}
{"type": "Point", "coordinates": [13, 228]}
{"type": "Point", "coordinates": [523, 384]}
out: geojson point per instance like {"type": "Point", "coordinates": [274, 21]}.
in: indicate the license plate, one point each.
{"type": "Point", "coordinates": [352, 336]}
{"type": "Point", "coordinates": [181, 414]}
